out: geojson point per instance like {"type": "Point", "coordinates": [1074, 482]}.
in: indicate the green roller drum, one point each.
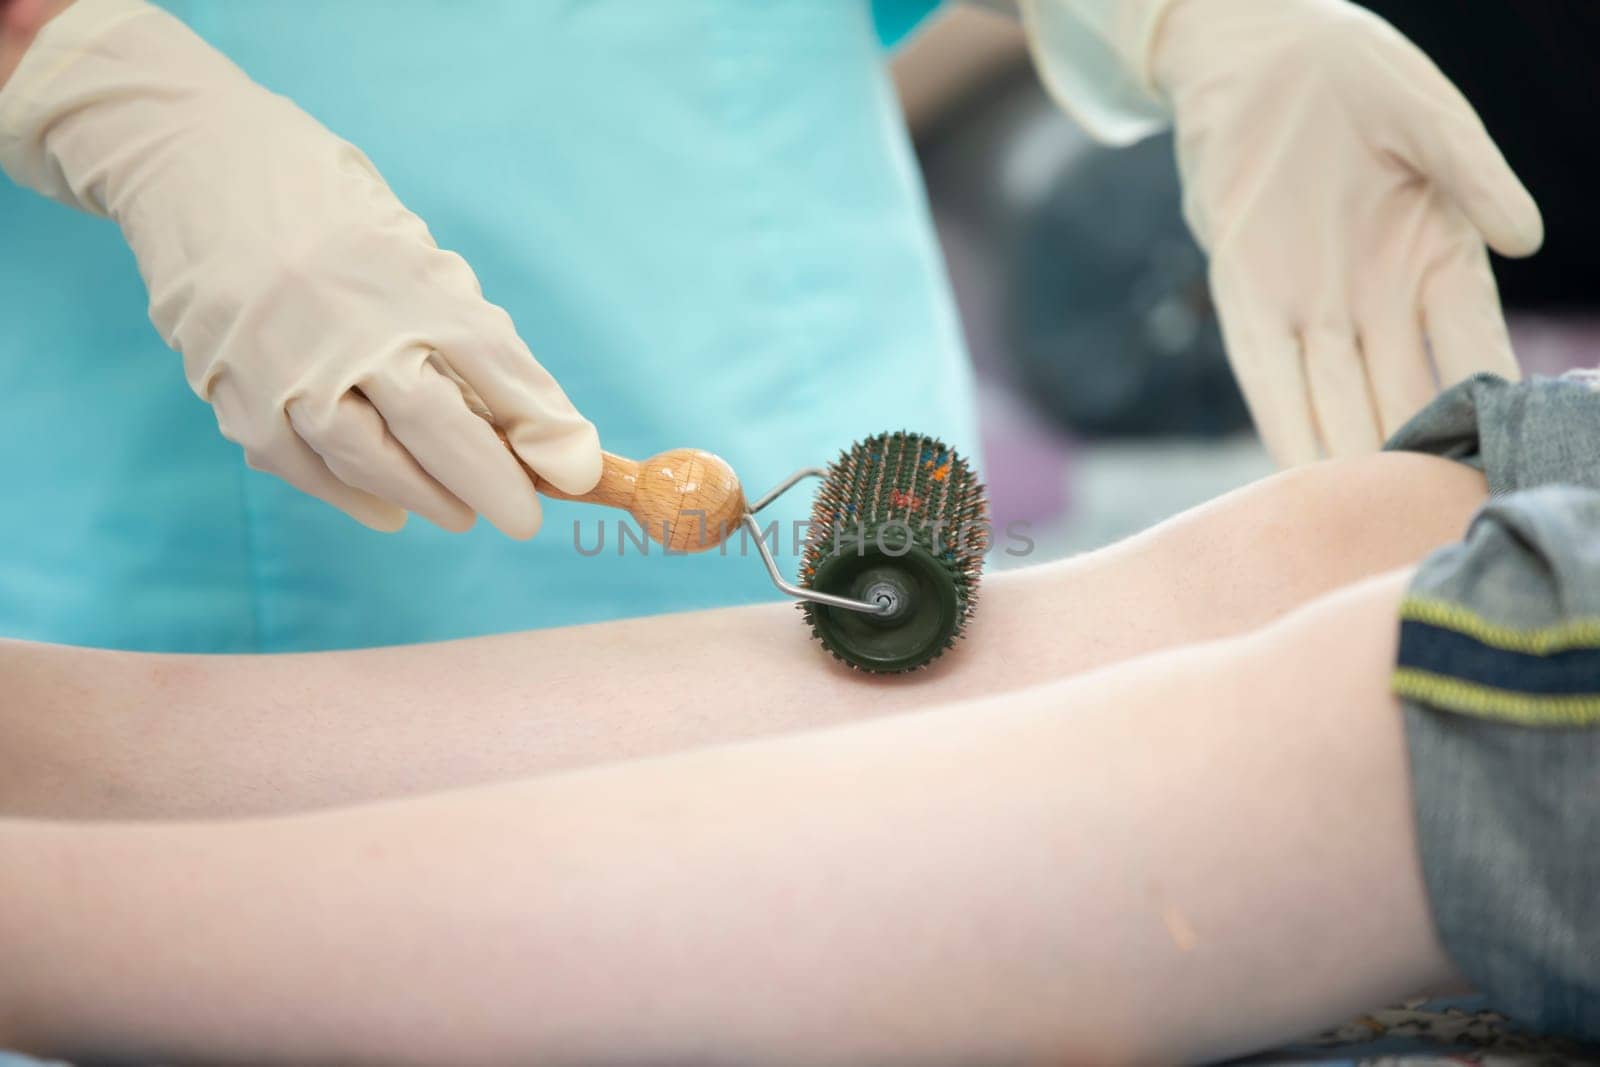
{"type": "Point", "coordinates": [900, 520]}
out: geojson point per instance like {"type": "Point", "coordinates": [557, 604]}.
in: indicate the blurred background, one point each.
{"type": "Point", "coordinates": [1107, 402]}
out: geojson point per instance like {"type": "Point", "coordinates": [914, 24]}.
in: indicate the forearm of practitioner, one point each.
{"type": "Point", "coordinates": [20, 21]}
{"type": "Point", "coordinates": [100, 734]}
{"type": "Point", "coordinates": [1101, 871]}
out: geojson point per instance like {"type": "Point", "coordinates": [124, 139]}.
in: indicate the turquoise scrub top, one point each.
{"type": "Point", "coordinates": [703, 215]}
{"type": "Point", "coordinates": [898, 19]}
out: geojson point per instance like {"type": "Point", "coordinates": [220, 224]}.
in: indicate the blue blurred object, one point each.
{"type": "Point", "coordinates": [1112, 319]}
{"type": "Point", "coordinates": [703, 215]}
{"type": "Point", "coordinates": [1096, 304]}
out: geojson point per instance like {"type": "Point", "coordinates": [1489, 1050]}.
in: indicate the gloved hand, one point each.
{"type": "Point", "coordinates": [1342, 186]}
{"type": "Point", "coordinates": [336, 342]}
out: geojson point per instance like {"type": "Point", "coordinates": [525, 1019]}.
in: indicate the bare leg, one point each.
{"type": "Point", "coordinates": [1184, 856]}
{"type": "Point", "coordinates": [102, 734]}
{"type": "Point", "coordinates": [97, 733]}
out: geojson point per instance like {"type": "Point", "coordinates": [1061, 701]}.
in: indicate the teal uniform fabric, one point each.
{"type": "Point", "coordinates": [703, 215]}
{"type": "Point", "coordinates": [898, 19]}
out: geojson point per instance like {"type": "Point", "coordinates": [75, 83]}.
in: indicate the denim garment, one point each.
{"type": "Point", "coordinates": [1499, 675]}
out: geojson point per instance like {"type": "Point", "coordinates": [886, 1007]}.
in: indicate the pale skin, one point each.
{"type": "Point", "coordinates": [1118, 854]}
{"type": "Point", "coordinates": [20, 21]}
{"type": "Point", "coordinates": [108, 735]}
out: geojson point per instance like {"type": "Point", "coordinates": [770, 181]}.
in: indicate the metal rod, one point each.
{"type": "Point", "coordinates": [749, 520]}
{"type": "Point", "coordinates": [788, 484]}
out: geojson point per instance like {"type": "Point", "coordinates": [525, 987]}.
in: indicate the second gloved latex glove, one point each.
{"type": "Point", "coordinates": [1342, 185]}
{"type": "Point", "coordinates": [336, 342]}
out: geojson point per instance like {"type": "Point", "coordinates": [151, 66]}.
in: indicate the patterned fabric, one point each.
{"type": "Point", "coordinates": [1418, 1033]}
{"type": "Point", "coordinates": [1423, 1033]}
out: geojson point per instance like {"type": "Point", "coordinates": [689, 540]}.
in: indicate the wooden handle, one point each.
{"type": "Point", "coordinates": [685, 499]}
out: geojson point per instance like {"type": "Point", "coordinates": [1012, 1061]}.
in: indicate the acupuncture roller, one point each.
{"type": "Point", "coordinates": [890, 568]}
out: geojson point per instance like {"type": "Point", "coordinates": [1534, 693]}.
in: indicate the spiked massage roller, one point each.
{"type": "Point", "coordinates": [890, 569]}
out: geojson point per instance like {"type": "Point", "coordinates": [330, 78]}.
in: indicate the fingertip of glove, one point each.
{"type": "Point", "coordinates": [456, 523]}
{"type": "Point", "coordinates": [1525, 230]}
{"type": "Point", "coordinates": [520, 523]}
{"type": "Point", "coordinates": [1508, 216]}
{"type": "Point", "coordinates": [577, 475]}
{"type": "Point", "coordinates": [512, 506]}
{"type": "Point", "coordinates": [572, 463]}
{"type": "Point", "coordinates": [383, 520]}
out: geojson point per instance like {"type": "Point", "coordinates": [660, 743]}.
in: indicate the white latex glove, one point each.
{"type": "Point", "coordinates": [1342, 185]}
{"type": "Point", "coordinates": [336, 342]}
